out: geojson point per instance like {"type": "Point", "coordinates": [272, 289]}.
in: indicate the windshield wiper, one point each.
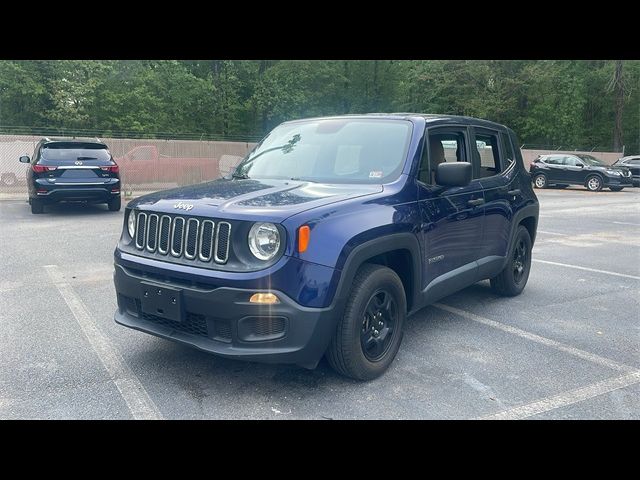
{"type": "Point", "coordinates": [240, 176]}
{"type": "Point", "coordinates": [300, 179]}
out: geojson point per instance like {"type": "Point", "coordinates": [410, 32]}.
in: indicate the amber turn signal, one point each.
{"type": "Point", "coordinates": [268, 298]}
{"type": "Point", "coordinates": [304, 234]}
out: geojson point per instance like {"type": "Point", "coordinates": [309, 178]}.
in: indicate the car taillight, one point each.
{"type": "Point", "coordinates": [42, 168]}
{"type": "Point", "coordinates": [112, 169]}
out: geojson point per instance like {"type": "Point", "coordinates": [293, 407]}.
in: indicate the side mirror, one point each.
{"type": "Point", "coordinates": [454, 174]}
{"type": "Point", "coordinates": [25, 159]}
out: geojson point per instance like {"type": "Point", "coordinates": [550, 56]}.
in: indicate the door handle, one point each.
{"type": "Point", "coordinates": [475, 203]}
{"type": "Point", "coordinates": [514, 192]}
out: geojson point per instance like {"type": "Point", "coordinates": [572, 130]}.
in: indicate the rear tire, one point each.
{"type": "Point", "coordinates": [368, 335]}
{"type": "Point", "coordinates": [37, 207]}
{"type": "Point", "coordinates": [593, 183]}
{"type": "Point", "coordinates": [115, 204]}
{"type": "Point", "coordinates": [513, 278]}
{"type": "Point", "coordinates": [540, 181]}
{"type": "Point", "coordinates": [616, 189]}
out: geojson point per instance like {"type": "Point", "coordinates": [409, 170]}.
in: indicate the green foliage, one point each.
{"type": "Point", "coordinates": [554, 102]}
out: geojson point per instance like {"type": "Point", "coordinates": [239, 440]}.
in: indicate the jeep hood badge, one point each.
{"type": "Point", "coordinates": [183, 206]}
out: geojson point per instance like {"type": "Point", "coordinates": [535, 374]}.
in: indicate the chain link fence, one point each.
{"type": "Point", "coordinates": [145, 164]}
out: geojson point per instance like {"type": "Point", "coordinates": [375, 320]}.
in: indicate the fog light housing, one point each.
{"type": "Point", "coordinates": [264, 298]}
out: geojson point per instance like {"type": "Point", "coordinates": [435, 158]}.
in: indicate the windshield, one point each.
{"type": "Point", "coordinates": [589, 160]}
{"type": "Point", "coordinates": [342, 150]}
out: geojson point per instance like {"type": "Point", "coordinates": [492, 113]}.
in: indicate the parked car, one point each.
{"type": "Point", "coordinates": [72, 171]}
{"type": "Point", "coordinates": [578, 169]}
{"type": "Point", "coordinates": [144, 165]}
{"type": "Point", "coordinates": [326, 236]}
{"type": "Point", "coordinates": [632, 162]}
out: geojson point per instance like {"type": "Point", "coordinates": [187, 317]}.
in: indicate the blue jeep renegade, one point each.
{"type": "Point", "coordinates": [326, 236]}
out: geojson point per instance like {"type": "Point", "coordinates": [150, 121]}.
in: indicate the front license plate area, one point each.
{"type": "Point", "coordinates": [165, 302]}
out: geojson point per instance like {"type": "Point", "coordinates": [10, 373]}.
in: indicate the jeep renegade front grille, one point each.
{"type": "Point", "coordinates": [181, 237]}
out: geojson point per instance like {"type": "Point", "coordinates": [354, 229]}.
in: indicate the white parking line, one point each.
{"type": "Point", "coordinates": [592, 357]}
{"type": "Point", "coordinates": [587, 269]}
{"type": "Point", "coordinates": [552, 233]}
{"type": "Point", "coordinates": [567, 398]}
{"type": "Point", "coordinates": [628, 223]}
{"type": "Point", "coordinates": [135, 396]}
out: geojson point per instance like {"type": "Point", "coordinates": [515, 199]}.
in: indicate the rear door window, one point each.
{"type": "Point", "coordinates": [489, 153]}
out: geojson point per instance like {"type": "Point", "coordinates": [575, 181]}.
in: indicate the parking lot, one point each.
{"type": "Point", "coordinates": [568, 347]}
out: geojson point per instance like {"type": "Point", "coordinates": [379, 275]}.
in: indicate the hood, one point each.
{"type": "Point", "coordinates": [274, 200]}
{"type": "Point", "coordinates": [622, 168]}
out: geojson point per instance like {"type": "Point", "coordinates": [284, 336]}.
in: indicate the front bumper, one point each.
{"type": "Point", "coordinates": [618, 181]}
{"type": "Point", "coordinates": [223, 322]}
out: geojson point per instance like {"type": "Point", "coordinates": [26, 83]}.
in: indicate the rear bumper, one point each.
{"type": "Point", "coordinates": [51, 193]}
{"type": "Point", "coordinates": [223, 322]}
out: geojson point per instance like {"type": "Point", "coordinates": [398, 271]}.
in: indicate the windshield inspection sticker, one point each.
{"type": "Point", "coordinates": [375, 174]}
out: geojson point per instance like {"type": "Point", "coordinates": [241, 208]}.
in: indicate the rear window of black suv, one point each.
{"type": "Point", "coordinates": [74, 151]}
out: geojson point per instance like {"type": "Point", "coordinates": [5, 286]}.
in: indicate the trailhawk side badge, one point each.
{"type": "Point", "coordinates": [183, 206]}
{"type": "Point", "coordinates": [436, 259]}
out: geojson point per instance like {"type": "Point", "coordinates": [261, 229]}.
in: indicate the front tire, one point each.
{"type": "Point", "coordinates": [540, 181]}
{"type": "Point", "coordinates": [37, 207]}
{"type": "Point", "coordinates": [593, 183]}
{"type": "Point", "coordinates": [616, 189]}
{"type": "Point", "coordinates": [115, 204]}
{"type": "Point", "coordinates": [513, 278]}
{"type": "Point", "coordinates": [368, 335]}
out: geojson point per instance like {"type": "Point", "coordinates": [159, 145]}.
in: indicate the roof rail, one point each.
{"type": "Point", "coordinates": [47, 139]}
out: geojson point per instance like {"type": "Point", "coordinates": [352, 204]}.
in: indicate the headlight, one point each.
{"type": "Point", "coordinates": [264, 240]}
{"type": "Point", "coordinates": [614, 172]}
{"type": "Point", "coordinates": [131, 223]}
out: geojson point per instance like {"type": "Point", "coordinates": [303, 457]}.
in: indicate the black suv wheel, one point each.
{"type": "Point", "coordinates": [513, 278]}
{"type": "Point", "coordinates": [368, 336]}
{"type": "Point", "coordinates": [540, 181]}
{"type": "Point", "coordinates": [36, 206]}
{"type": "Point", "coordinates": [594, 183]}
{"type": "Point", "coordinates": [115, 204]}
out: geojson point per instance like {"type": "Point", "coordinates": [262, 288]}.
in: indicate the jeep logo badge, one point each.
{"type": "Point", "coordinates": [183, 206]}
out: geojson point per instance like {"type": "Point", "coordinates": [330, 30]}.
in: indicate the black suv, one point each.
{"type": "Point", "coordinates": [72, 171]}
{"type": "Point", "coordinates": [327, 235]}
{"type": "Point", "coordinates": [579, 169]}
{"type": "Point", "coordinates": [633, 163]}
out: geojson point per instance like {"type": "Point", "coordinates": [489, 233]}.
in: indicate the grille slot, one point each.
{"type": "Point", "coordinates": [193, 324]}
{"type": "Point", "coordinates": [222, 242]}
{"type": "Point", "coordinates": [141, 229]}
{"type": "Point", "coordinates": [152, 232]}
{"type": "Point", "coordinates": [267, 326]}
{"type": "Point", "coordinates": [223, 330]}
{"type": "Point", "coordinates": [164, 234]}
{"type": "Point", "coordinates": [177, 234]}
{"type": "Point", "coordinates": [189, 238]}
{"type": "Point", "coordinates": [207, 229]}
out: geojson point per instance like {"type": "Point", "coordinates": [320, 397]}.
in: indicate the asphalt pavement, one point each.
{"type": "Point", "coordinates": [567, 348]}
